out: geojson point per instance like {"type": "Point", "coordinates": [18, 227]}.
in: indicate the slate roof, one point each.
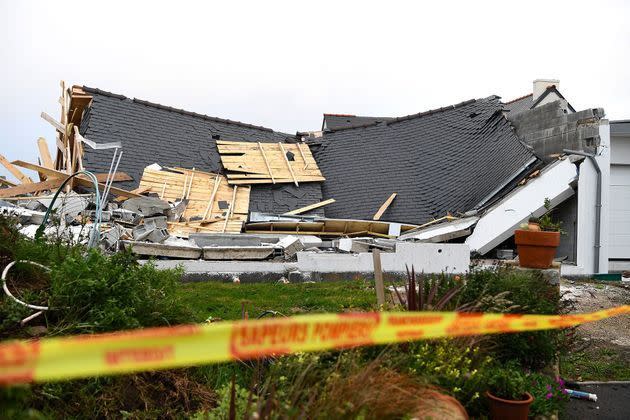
{"type": "Point", "coordinates": [153, 133]}
{"type": "Point", "coordinates": [518, 105]}
{"type": "Point", "coordinates": [336, 121]}
{"type": "Point", "coordinates": [445, 160]}
{"type": "Point", "coordinates": [525, 103]}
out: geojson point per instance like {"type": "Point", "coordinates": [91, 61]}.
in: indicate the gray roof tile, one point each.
{"type": "Point", "coordinates": [152, 133]}
{"type": "Point", "coordinates": [445, 160]}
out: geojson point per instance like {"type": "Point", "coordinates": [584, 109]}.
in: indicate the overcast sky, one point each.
{"type": "Point", "coordinates": [283, 64]}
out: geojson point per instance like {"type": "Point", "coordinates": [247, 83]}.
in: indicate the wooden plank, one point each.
{"type": "Point", "coordinates": [378, 277]}
{"type": "Point", "coordinates": [54, 123]}
{"type": "Point", "coordinates": [267, 163]}
{"type": "Point", "coordinates": [4, 181]}
{"type": "Point", "coordinates": [81, 179]}
{"type": "Point", "coordinates": [32, 187]}
{"type": "Point", "coordinates": [299, 146]}
{"type": "Point", "coordinates": [384, 207]}
{"type": "Point", "coordinates": [118, 176]}
{"type": "Point", "coordinates": [15, 171]}
{"type": "Point", "coordinates": [217, 182]}
{"type": "Point", "coordinates": [310, 207]}
{"type": "Point", "coordinates": [139, 190]}
{"type": "Point", "coordinates": [262, 152]}
{"type": "Point", "coordinates": [286, 159]}
{"type": "Point", "coordinates": [44, 153]}
{"type": "Point", "coordinates": [230, 208]}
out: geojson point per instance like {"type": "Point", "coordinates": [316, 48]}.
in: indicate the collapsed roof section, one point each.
{"type": "Point", "coordinates": [446, 160]}
{"type": "Point", "coordinates": [152, 133]}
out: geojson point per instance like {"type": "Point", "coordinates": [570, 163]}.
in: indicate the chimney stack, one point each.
{"type": "Point", "coordinates": [541, 85]}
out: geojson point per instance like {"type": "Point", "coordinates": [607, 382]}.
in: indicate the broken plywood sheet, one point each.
{"type": "Point", "coordinates": [326, 227]}
{"type": "Point", "coordinates": [213, 205]}
{"type": "Point", "coordinates": [268, 163]}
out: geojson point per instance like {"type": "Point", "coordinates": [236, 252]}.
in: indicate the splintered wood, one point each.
{"type": "Point", "coordinates": [213, 204]}
{"type": "Point", "coordinates": [268, 163]}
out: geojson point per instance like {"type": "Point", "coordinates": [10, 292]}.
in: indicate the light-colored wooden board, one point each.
{"type": "Point", "coordinates": [326, 227]}
{"type": "Point", "coordinates": [33, 187]}
{"type": "Point", "coordinates": [310, 207]}
{"type": "Point", "coordinates": [267, 163]}
{"type": "Point", "coordinates": [384, 207]}
{"type": "Point", "coordinates": [207, 193]}
{"type": "Point", "coordinates": [44, 153]}
{"type": "Point", "coordinates": [15, 171]}
{"type": "Point", "coordinates": [81, 179]}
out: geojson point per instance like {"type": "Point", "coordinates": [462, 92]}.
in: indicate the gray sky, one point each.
{"type": "Point", "coordinates": [283, 64]}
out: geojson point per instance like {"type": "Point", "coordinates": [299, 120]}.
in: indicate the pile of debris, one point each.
{"type": "Point", "coordinates": [177, 212]}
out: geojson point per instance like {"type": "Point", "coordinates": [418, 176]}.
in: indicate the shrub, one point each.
{"type": "Point", "coordinates": [460, 370]}
{"type": "Point", "coordinates": [507, 382]}
{"type": "Point", "coordinates": [529, 293]}
{"type": "Point", "coordinates": [96, 293]}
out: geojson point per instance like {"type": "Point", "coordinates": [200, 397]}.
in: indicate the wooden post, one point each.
{"type": "Point", "coordinates": [378, 277]}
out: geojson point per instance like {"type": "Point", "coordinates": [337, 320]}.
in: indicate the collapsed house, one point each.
{"type": "Point", "coordinates": [426, 189]}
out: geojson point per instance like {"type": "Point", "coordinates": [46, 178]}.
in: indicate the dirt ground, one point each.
{"type": "Point", "coordinates": [590, 297]}
{"type": "Point", "coordinates": [602, 349]}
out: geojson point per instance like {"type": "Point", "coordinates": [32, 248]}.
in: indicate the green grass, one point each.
{"type": "Point", "coordinates": [223, 300]}
{"type": "Point", "coordinates": [597, 364]}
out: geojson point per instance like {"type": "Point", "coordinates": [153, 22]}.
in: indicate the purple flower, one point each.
{"type": "Point", "coordinates": [564, 391]}
{"type": "Point", "coordinates": [560, 382]}
{"type": "Point", "coordinates": [548, 387]}
{"type": "Point", "coordinates": [549, 395]}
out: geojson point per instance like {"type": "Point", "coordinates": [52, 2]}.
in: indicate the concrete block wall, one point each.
{"type": "Point", "coordinates": [548, 129]}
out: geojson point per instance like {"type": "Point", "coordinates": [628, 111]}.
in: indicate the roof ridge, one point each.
{"type": "Point", "coordinates": [413, 116]}
{"type": "Point", "coordinates": [339, 115]}
{"type": "Point", "coordinates": [517, 99]}
{"type": "Point", "coordinates": [436, 110]}
{"type": "Point", "coordinates": [181, 111]}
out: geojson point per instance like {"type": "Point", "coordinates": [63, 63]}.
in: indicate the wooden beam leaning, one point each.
{"type": "Point", "coordinates": [299, 146]}
{"type": "Point", "coordinates": [44, 153]}
{"type": "Point", "coordinates": [4, 181]}
{"type": "Point", "coordinates": [286, 159]}
{"type": "Point", "coordinates": [217, 181]}
{"type": "Point", "coordinates": [310, 207]}
{"type": "Point", "coordinates": [81, 179]}
{"type": "Point", "coordinates": [230, 208]}
{"type": "Point", "coordinates": [53, 173]}
{"type": "Point", "coordinates": [384, 207]}
{"type": "Point", "coordinates": [15, 171]}
{"type": "Point", "coordinates": [32, 187]}
{"type": "Point", "coordinates": [262, 152]}
{"type": "Point", "coordinates": [53, 122]}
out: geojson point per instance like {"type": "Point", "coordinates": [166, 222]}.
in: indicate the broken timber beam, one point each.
{"type": "Point", "coordinates": [310, 207]}
{"type": "Point", "coordinates": [384, 207]}
{"type": "Point", "coordinates": [54, 123]}
{"type": "Point", "coordinates": [81, 179]}
{"type": "Point", "coordinates": [4, 181]}
{"type": "Point", "coordinates": [32, 187]}
{"type": "Point", "coordinates": [53, 173]}
{"type": "Point", "coordinates": [15, 171]}
{"type": "Point", "coordinates": [44, 153]}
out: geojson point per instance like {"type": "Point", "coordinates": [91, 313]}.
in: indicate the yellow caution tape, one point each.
{"type": "Point", "coordinates": [157, 348]}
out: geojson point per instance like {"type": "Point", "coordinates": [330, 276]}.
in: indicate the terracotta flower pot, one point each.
{"type": "Point", "coordinates": [536, 249]}
{"type": "Point", "coordinates": [501, 409]}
